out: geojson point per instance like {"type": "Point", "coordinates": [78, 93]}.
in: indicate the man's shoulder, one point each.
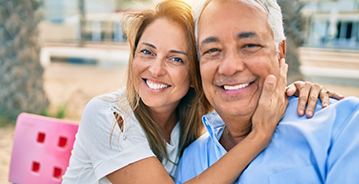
{"type": "Point", "coordinates": [197, 149]}
{"type": "Point", "coordinates": [329, 119]}
{"type": "Point", "coordinates": [351, 102]}
{"type": "Point", "coordinates": [194, 159]}
{"type": "Point", "coordinates": [345, 105]}
{"type": "Point", "coordinates": [198, 145]}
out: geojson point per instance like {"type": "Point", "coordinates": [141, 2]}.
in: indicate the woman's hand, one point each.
{"type": "Point", "coordinates": [271, 105]}
{"type": "Point", "coordinates": [308, 94]}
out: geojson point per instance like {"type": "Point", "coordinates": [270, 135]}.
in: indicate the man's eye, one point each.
{"type": "Point", "coordinates": [145, 51]}
{"type": "Point", "coordinates": [211, 51]}
{"type": "Point", "coordinates": [251, 48]}
{"type": "Point", "coordinates": [251, 45]}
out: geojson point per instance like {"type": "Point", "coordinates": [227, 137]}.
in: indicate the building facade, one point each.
{"type": "Point", "coordinates": [332, 24]}
{"type": "Point", "coordinates": [61, 20]}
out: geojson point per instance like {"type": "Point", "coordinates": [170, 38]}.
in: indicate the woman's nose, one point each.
{"type": "Point", "coordinates": [157, 68]}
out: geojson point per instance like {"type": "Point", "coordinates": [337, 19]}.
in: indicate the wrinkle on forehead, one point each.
{"type": "Point", "coordinates": [238, 29]}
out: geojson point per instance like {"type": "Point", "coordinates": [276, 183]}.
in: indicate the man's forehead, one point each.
{"type": "Point", "coordinates": [228, 5]}
{"type": "Point", "coordinates": [229, 15]}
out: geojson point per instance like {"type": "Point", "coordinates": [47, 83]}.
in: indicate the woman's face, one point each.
{"type": "Point", "coordinates": [161, 65]}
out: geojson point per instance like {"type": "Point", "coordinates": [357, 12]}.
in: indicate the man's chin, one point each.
{"type": "Point", "coordinates": [235, 112]}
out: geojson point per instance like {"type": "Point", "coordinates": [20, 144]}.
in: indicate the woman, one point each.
{"type": "Point", "coordinates": [137, 134]}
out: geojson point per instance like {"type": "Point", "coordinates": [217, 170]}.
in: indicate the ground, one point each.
{"type": "Point", "coordinates": [72, 86]}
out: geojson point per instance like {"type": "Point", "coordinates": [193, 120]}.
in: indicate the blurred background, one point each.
{"type": "Point", "coordinates": [57, 55]}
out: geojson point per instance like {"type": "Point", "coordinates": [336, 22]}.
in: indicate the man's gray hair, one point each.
{"type": "Point", "coordinates": [270, 7]}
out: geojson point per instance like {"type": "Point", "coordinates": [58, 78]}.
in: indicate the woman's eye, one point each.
{"type": "Point", "coordinates": [177, 59]}
{"type": "Point", "coordinates": [145, 51]}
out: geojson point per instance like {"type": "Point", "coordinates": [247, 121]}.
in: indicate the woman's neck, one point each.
{"type": "Point", "coordinates": [166, 119]}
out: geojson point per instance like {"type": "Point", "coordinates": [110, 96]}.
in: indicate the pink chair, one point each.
{"type": "Point", "coordinates": [41, 150]}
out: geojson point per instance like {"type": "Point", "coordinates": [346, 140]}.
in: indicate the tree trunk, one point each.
{"type": "Point", "coordinates": [21, 82]}
{"type": "Point", "coordinates": [82, 19]}
{"type": "Point", "coordinates": [293, 28]}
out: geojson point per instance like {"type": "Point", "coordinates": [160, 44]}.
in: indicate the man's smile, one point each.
{"type": "Point", "coordinates": [235, 87]}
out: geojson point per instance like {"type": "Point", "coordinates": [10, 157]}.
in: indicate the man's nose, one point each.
{"type": "Point", "coordinates": [157, 68]}
{"type": "Point", "coordinates": [231, 64]}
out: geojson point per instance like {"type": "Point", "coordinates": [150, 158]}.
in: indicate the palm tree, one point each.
{"type": "Point", "coordinates": [293, 27]}
{"type": "Point", "coordinates": [81, 8]}
{"type": "Point", "coordinates": [21, 82]}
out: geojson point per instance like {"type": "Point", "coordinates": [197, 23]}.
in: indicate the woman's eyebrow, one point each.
{"type": "Point", "coordinates": [178, 52]}
{"type": "Point", "coordinates": [148, 44]}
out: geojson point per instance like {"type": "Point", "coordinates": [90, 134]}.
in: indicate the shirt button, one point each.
{"type": "Point", "coordinates": [223, 153]}
{"type": "Point", "coordinates": [124, 137]}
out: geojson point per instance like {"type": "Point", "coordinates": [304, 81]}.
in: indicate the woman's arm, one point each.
{"type": "Point", "coordinates": [272, 103]}
{"type": "Point", "coordinates": [231, 165]}
{"type": "Point", "coordinates": [148, 170]}
{"type": "Point", "coordinates": [270, 110]}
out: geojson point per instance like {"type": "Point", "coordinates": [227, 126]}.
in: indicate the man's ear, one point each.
{"type": "Point", "coordinates": [281, 50]}
{"type": "Point", "coordinates": [191, 84]}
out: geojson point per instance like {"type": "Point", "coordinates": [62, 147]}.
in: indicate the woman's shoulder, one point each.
{"type": "Point", "coordinates": [102, 108]}
{"type": "Point", "coordinates": [110, 105]}
{"type": "Point", "coordinates": [113, 96]}
{"type": "Point", "coordinates": [109, 101]}
{"type": "Point", "coordinates": [101, 111]}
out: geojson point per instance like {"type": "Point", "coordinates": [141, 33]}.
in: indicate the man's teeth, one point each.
{"type": "Point", "coordinates": [156, 86]}
{"type": "Point", "coordinates": [239, 86]}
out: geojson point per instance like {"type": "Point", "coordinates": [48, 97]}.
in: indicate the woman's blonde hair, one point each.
{"type": "Point", "coordinates": [189, 110]}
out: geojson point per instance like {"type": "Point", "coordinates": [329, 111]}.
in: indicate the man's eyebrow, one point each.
{"type": "Point", "coordinates": [178, 52]}
{"type": "Point", "coordinates": [148, 44]}
{"type": "Point", "coordinates": [247, 35]}
{"type": "Point", "coordinates": [210, 39]}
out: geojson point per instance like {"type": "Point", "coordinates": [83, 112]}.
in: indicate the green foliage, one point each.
{"type": "Point", "coordinates": [5, 120]}
{"type": "Point", "coordinates": [59, 114]}
{"type": "Point", "coordinates": [7, 117]}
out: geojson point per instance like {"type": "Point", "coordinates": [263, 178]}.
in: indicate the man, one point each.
{"type": "Point", "coordinates": [240, 43]}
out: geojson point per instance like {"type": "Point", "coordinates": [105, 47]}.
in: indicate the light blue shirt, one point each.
{"type": "Point", "coordinates": [322, 149]}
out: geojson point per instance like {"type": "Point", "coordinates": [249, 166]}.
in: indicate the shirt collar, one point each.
{"type": "Point", "coordinates": [215, 127]}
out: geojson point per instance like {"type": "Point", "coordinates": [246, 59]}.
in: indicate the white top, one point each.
{"type": "Point", "coordinates": [101, 148]}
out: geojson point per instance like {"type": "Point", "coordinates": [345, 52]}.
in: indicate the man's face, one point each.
{"type": "Point", "coordinates": [237, 52]}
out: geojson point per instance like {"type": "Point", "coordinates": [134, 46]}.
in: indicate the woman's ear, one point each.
{"type": "Point", "coordinates": [281, 50]}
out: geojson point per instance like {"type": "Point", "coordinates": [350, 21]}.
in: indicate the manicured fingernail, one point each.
{"type": "Point", "coordinates": [309, 113]}
{"type": "Point", "coordinates": [325, 105]}
{"type": "Point", "coordinates": [301, 112]}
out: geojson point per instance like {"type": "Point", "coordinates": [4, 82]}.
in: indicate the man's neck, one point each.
{"type": "Point", "coordinates": [236, 130]}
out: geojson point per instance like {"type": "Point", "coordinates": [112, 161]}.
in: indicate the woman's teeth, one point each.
{"type": "Point", "coordinates": [239, 86]}
{"type": "Point", "coordinates": [156, 86]}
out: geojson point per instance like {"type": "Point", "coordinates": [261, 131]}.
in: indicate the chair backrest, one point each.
{"type": "Point", "coordinates": [41, 150]}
